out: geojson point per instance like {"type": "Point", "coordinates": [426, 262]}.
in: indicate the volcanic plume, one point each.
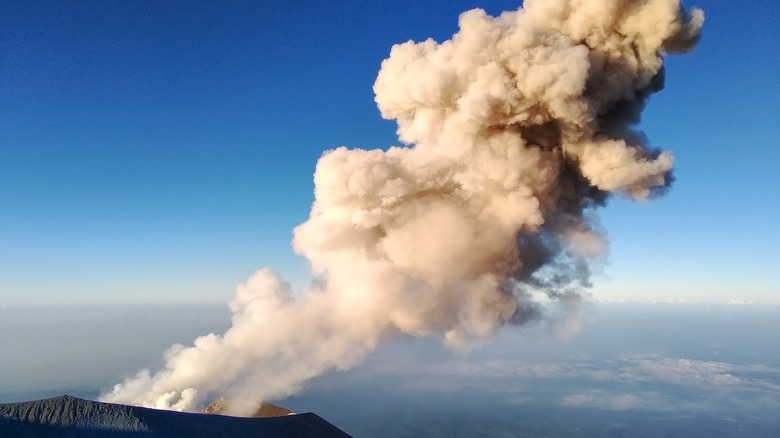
{"type": "Point", "coordinates": [514, 131]}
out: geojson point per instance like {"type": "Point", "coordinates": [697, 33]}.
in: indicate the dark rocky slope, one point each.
{"type": "Point", "coordinates": [67, 416]}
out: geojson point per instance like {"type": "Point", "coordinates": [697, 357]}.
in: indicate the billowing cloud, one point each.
{"type": "Point", "coordinates": [514, 131]}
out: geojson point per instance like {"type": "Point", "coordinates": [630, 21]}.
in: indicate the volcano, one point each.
{"type": "Point", "coordinates": [67, 416]}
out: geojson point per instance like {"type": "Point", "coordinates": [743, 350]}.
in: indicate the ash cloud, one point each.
{"type": "Point", "coordinates": [514, 131]}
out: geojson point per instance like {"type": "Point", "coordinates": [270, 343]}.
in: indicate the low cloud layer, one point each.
{"type": "Point", "coordinates": [628, 369]}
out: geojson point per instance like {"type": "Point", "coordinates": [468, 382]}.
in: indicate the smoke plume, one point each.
{"type": "Point", "coordinates": [515, 130]}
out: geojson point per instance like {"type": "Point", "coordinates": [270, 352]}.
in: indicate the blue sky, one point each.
{"type": "Point", "coordinates": [163, 152]}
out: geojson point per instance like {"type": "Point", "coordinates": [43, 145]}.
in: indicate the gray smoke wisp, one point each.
{"type": "Point", "coordinates": [514, 131]}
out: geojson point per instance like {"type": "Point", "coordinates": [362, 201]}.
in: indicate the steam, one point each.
{"type": "Point", "coordinates": [516, 130]}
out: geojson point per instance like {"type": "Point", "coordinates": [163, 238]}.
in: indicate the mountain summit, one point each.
{"type": "Point", "coordinates": [266, 410]}
{"type": "Point", "coordinates": [67, 416]}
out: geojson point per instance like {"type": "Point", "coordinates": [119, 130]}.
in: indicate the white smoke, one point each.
{"type": "Point", "coordinates": [517, 128]}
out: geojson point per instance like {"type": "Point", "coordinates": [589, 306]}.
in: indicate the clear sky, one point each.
{"type": "Point", "coordinates": [162, 152]}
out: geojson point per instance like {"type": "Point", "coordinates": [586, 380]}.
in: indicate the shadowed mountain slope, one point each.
{"type": "Point", "coordinates": [67, 416]}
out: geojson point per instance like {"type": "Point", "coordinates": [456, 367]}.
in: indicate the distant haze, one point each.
{"type": "Point", "coordinates": [78, 350]}
{"type": "Point", "coordinates": [517, 128]}
{"type": "Point", "coordinates": [638, 367]}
